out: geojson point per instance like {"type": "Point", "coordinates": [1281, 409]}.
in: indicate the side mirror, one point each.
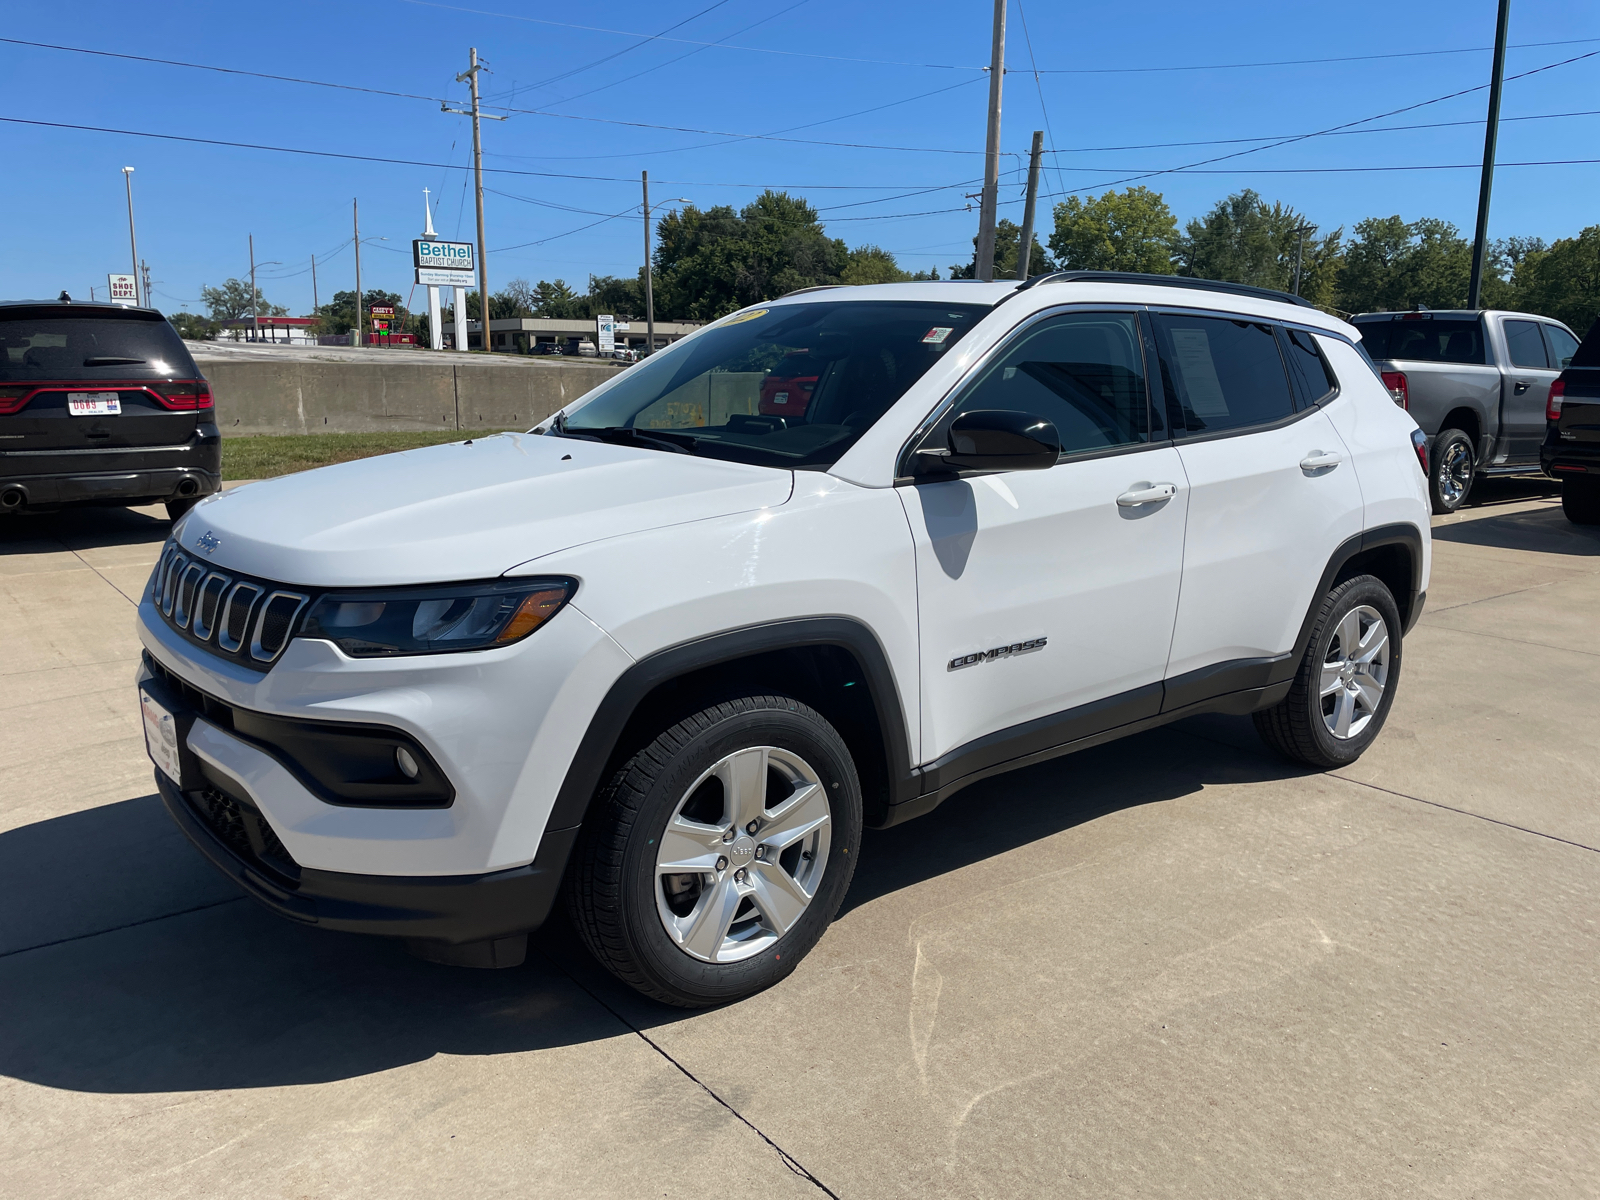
{"type": "Point", "coordinates": [995, 440]}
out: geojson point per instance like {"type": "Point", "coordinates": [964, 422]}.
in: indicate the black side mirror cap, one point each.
{"type": "Point", "coordinates": [995, 440]}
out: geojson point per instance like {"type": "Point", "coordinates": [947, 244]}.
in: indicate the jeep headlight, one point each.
{"type": "Point", "coordinates": [380, 622]}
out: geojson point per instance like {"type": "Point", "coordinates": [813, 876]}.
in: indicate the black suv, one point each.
{"type": "Point", "coordinates": [101, 404]}
{"type": "Point", "coordinates": [1571, 450]}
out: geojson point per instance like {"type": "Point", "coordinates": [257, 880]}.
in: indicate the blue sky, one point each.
{"type": "Point", "coordinates": [779, 65]}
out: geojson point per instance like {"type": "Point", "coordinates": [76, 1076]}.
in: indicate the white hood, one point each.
{"type": "Point", "coordinates": [464, 510]}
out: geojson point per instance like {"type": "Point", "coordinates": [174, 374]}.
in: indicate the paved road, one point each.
{"type": "Point", "coordinates": [1170, 966]}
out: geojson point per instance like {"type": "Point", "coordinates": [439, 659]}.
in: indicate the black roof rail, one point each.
{"type": "Point", "coordinates": [1173, 281]}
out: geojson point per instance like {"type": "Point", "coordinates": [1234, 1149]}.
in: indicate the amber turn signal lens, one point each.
{"type": "Point", "coordinates": [535, 609]}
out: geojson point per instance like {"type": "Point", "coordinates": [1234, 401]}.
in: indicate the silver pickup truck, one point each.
{"type": "Point", "coordinates": [1476, 381]}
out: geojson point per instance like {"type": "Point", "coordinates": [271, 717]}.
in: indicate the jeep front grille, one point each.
{"type": "Point", "coordinates": [248, 621]}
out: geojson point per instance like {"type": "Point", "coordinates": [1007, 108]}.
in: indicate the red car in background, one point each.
{"type": "Point", "coordinates": [787, 391]}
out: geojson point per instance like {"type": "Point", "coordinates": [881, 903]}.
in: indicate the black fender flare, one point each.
{"type": "Point", "coordinates": [599, 741]}
{"type": "Point", "coordinates": [1401, 534]}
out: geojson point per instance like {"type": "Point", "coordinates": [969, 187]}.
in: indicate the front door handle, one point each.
{"type": "Point", "coordinates": [1321, 460]}
{"type": "Point", "coordinates": [1147, 493]}
{"type": "Point", "coordinates": [1519, 387]}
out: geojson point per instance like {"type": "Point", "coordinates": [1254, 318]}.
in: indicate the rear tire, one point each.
{"type": "Point", "coordinates": [177, 508]}
{"type": "Point", "coordinates": [1344, 688]}
{"type": "Point", "coordinates": [1452, 470]}
{"type": "Point", "coordinates": [1580, 500]}
{"type": "Point", "coordinates": [758, 802]}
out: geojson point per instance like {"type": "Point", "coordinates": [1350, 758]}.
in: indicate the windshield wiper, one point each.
{"type": "Point", "coordinates": [626, 435]}
{"type": "Point", "coordinates": [113, 360]}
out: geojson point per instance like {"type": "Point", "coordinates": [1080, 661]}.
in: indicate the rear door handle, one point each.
{"type": "Point", "coordinates": [1147, 493]}
{"type": "Point", "coordinates": [1519, 387]}
{"type": "Point", "coordinates": [1321, 460]}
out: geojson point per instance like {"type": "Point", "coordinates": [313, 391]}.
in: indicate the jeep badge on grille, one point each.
{"type": "Point", "coordinates": [207, 541]}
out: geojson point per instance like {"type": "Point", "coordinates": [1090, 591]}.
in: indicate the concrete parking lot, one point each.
{"type": "Point", "coordinates": [1168, 966]}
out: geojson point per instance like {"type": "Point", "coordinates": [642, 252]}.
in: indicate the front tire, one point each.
{"type": "Point", "coordinates": [1344, 688]}
{"type": "Point", "coordinates": [1451, 472]}
{"type": "Point", "coordinates": [715, 857]}
{"type": "Point", "coordinates": [1580, 500]}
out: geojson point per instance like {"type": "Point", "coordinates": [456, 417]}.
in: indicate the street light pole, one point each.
{"type": "Point", "coordinates": [984, 264]}
{"type": "Point", "coordinates": [649, 290]}
{"type": "Point", "coordinates": [314, 304]}
{"type": "Point", "coordinates": [355, 210]}
{"type": "Point", "coordinates": [133, 242]}
{"type": "Point", "coordinates": [255, 317]}
{"type": "Point", "coordinates": [1480, 242]}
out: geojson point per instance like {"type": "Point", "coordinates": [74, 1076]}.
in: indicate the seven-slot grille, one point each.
{"type": "Point", "coordinates": [246, 620]}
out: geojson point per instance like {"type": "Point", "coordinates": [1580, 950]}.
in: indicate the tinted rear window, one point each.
{"type": "Point", "coordinates": [1424, 340]}
{"type": "Point", "coordinates": [40, 344]}
{"type": "Point", "coordinates": [1588, 354]}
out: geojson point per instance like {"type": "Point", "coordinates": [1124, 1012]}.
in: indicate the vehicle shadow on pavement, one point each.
{"type": "Point", "coordinates": [1543, 531]}
{"type": "Point", "coordinates": [83, 529]}
{"type": "Point", "coordinates": [126, 967]}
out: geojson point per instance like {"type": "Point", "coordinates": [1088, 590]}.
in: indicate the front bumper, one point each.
{"type": "Point", "coordinates": [446, 908]}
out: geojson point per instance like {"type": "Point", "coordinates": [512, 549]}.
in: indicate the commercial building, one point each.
{"type": "Point", "coordinates": [521, 334]}
{"type": "Point", "coordinates": [290, 331]}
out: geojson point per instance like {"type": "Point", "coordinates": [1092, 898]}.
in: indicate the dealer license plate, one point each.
{"type": "Point", "coordinates": [94, 404]}
{"type": "Point", "coordinates": [161, 737]}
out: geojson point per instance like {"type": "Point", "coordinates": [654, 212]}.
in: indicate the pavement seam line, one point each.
{"type": "Point", "coordinates": [1515, 641]}
{"type": "Point", "coordinates": [78, 937]}
{"type": "Point", "coordinates": [103, 579]}
{"type": "Point", "coordinates": [1402, 795]}
{"type": "Point", "coordinates": [784, 1156]}
{"type": "Point", "coordinates": [1502, 595]}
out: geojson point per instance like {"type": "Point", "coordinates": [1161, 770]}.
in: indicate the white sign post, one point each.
{"type": "Point", "coordinates": [461, 318]}
{"type": "Point", "coordinates": [124, 289]}
{"type": "Point", "coordinates": [445, 265]}
{"type": "Point", "coordinates": [606, 328]}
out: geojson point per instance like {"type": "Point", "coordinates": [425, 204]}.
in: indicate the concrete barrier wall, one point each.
{"type": "Point", "coordinates": [308, 396]}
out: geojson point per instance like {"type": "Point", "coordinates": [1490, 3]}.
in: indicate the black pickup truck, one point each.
{"type": "Point", "coordinates": [1571, 450]}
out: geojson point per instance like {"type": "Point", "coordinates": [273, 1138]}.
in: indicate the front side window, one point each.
{"type": "Point", "coordinates": [1221, 373]}
{"type": "Point", "coordinates": [1562, 346]}
{"type": "Point", "coordinates": [1082, 372]}
{"type": "Point", "coordinates": [1525, 344]}
{"type": "Point", "coordinates": [791, 386]}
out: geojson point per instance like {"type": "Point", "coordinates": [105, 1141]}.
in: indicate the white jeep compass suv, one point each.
{"type": "Point", "coordinates": [668, 653]}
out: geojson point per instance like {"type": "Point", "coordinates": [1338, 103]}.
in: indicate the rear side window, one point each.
{"type": "Point", "coordinates": [1562, 346]}
{"type": "Point", "coordinates": [1083, 372]}
{"type": "Point", "coordinates": [1313, 378]}
{"type": "Point", "coordinates": [1221, 374]}
{"type": "Point", "coordinates": [1525, 344]}
{"type": "Point", "coordinates": [1424, 339]}
{"type": "Point", "coordinates": [41, 344]}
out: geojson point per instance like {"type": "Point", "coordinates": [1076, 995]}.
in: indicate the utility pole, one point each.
{"type": "Point", "coordinates": [470, 75]}
{"type": "Point", "coordinates": [649, 290]}
{"type": "Point", "coordinates": [355, 211]}
{"type": "Point", "coordinates": [133, 242]}
{"type": "Point", "coordinates": [1480, 243]}
{"type": "Point", "coordinates": [255, 317]}
{"type": "Point", "coordinates": [1025, 246]}
{"type": "Point", "coordinates": [314, 304]}
{"type": "Point", "coordinates": [991, 162]}
{"type": "Point", "coordinates": [144, 268]}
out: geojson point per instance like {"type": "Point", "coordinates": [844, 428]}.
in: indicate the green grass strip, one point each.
{"type": "Point", "coordinates": [267, 455]}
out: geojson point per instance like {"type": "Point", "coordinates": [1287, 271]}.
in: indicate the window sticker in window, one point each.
{"type": "Point", "coordinates": [1192, 349]}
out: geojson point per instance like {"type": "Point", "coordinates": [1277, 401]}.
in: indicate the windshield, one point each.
{"type": "Point", "coordinates": [40, 344]}
{"type": "Point", "coordinates": [790, 386]}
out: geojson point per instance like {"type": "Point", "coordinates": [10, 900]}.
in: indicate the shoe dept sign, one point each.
{"type": "Point", "coordinates": [443, 264]}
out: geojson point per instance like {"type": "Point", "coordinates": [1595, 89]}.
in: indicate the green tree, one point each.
{"type": "Point", "coordinates": [1243, 239]}
{"type": "Point", "coordinates": [871, 264]}
{"type": "Point", "coordinates": [1393, 265]}
{"type": "Point", "coordinates": [1561, 280]}
{"type": "Point", "coordinates": [232, 301]}
{"type": "Point", "coordinates": [1132, 230]}
{"type": "Point", "coordinates": [1007, 237]}
{"type": "Point", "coordinates": [192, 326]}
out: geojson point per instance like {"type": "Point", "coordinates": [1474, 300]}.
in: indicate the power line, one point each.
{"type": "Point", "coordinates": [1304, 62]}
{"type": "Point", "coordinates": [1027, 39]}
{"type": "Point", "coordinates": [645, 41]}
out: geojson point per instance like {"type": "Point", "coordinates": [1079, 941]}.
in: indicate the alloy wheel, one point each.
{"type": "Point", "coordinates": [1455, 473]}
{"type": "Point", "coordinates": [743, 853]}
{"type": "Point", "coordinates": [1355, 672]}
